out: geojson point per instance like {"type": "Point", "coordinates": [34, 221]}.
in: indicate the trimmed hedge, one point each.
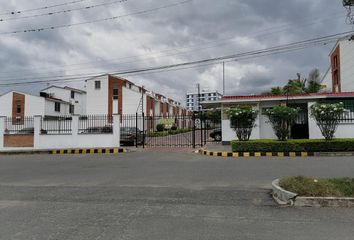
{"type": "Point", "coordinates": [304, 145]}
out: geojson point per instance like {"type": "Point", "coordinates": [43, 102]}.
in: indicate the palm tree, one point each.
{"type": "Point", "coordinates": [314, 83]}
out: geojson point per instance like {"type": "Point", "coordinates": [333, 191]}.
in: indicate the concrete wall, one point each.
{"type": "Point", "coordinates": [97, 99]}
{"type": "Point", "coordinates": [34, 105]}
{"type": "Point", "coordinates": [347, 65]}
{"type": "Point", "coordinates": [76, 140]}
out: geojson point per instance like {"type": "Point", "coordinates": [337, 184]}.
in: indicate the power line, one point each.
{"type": "Point", "coordinates": [63, 11]}
{"type": "Point", "coordinates": [267, 32]}
{"type": "Point", "coordinates": [41, 8]}
{"type": "Point", "coordinates": [97, 20]}
{"type": "Point", "coordinates": [246, 55]}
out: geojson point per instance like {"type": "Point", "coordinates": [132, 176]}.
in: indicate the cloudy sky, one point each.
{"type": "Point", "coordinates": [152, 33]}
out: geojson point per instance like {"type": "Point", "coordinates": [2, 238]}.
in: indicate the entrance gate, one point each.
{"type": "Point", "coordinates": [187, 131]}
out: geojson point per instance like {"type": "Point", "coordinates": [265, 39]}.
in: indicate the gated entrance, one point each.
{"type": "Point", "coordinates": [193, 130]}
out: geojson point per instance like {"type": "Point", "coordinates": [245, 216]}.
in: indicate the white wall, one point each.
{"type": "Point", "coordinates": [6, 104]}
{"type": "Point", "coordinates": [50, 109]}
{"type": "Point", "coordinates": [75, 140]}
{"type": "Point", "coordinates": [347, 65]}
{"type": "Point", "coordinates": [34, 105]}
{"type": "Point", "coordinates": [266, 129]}
{"type": "Point", "coordinates": [131, 101]}
{"type": "Point", "coordinates": [97, 100]}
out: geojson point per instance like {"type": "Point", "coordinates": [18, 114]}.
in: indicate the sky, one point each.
{"type": "Point", "coordinates": [153, 33]}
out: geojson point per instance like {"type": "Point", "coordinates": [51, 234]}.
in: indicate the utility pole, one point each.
{"type": "Point", "coordinates": [223, 78]}
{"type": "Point", "coordinates": [142, 100]}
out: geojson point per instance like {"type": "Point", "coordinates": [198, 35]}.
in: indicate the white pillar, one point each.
{"type": "Point", "coordinates": [2, 131]}
{"type": "Point", "coordinates": [116, 129]}
{"type": "Point", "coordinates": [37, 131]}
{"type": "Point", "coordinates": [75, 126]}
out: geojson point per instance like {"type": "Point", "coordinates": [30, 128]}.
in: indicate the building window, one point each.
{"type": "Point", "coordinates": [115, 93]}
{"type": "Point", "coordinates": [57, 106]}
{"type": "Point", "coordinates": [97, 84]}
{"type": "Point", "coordinates": [71, 109]}
{"type": "Point", "coordinates": [18, 107]}
{"type": "Point", "coordinates": [72, 94]}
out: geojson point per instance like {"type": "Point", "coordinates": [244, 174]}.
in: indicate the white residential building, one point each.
{"type": "Point", "coordinates": [76, 97]}
{"type": "Point", "coordinates": [18, 105]}
{"type": "Point", "coordinates": [340, 76]}
{"type": "Point", "coordinates": [194, 100]}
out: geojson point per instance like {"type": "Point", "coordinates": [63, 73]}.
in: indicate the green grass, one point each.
{"type": "Point", "coordinates": [314, 187]}
{"type": "Point", "coordinates": [302, 145]}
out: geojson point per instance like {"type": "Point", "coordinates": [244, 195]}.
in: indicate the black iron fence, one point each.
{"type": "Point", "coordinates": [193, 130]}
{"type": "Point", "coordinates": [95, 124]}
{"type": "Point", "coordinates": [20, 125]}
{"type": "Point", "coordinates": [56, 125]}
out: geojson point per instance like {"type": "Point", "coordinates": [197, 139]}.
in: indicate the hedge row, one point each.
{"type": "Point", "coordinates": [168, 133]}
{"type": "Point", "coordinates": [308, 145]}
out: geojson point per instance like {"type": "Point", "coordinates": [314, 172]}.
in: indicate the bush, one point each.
{"type": "Point", "coordinates": [313, 187]}
{"type": "Point", "coordinates": [282, 118]}
{"type": "Point", "coordinates": [327, 117]}
{"type": "Point", "coordinates": [174, 127]}
{"type": "Point", "coordinates": [160, 127]}
{"type": "Point", "coordinates": [242, 120]}
{"type": "Point", "coordinates": [308, 145]}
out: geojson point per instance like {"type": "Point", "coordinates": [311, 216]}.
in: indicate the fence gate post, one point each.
{"type": "Point", "coordinates": [143, 130]}
{"type": "Point", "coordinates": [136, 130]}
{"type": "Point", "coordinates": [2, 131]}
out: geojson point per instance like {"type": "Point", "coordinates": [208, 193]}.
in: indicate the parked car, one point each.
{"type": "Point", "coordinates": [98, 130]}
{"type": "Point", "coordinates": [129, 136]}
{"type": "Point", "coordinates": [216, 134]}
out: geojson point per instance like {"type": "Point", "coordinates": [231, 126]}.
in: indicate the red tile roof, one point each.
{"type": "Point", "coordinates": [261, 97]}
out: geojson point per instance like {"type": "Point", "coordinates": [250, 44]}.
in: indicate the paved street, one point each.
{"type": "Point", "coordinates": [147, 195]}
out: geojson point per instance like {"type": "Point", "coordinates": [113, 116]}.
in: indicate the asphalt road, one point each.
{"type": "Point", "coordinates": [167, 195]}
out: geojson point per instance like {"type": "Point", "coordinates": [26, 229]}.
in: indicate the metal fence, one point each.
{"type": "Point", "coordinates": [169, 131]}
{"type": "Point", "coordinates": [21, 125]}
{"type": "Point", "coordinates": [95, 124]}
{"type": "Point", "coordinates": [56, 125]}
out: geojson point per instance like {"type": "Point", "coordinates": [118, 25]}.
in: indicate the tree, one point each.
{"type": "Point", "coordinates": [327, 117]}
{"type": "Point", "coordinates": [300, 85]}
{"type": "Point", "coordinates": [314, 82]}
{"type": "Point", "coordinates": [282, 119]}
{"type": "Point", "coordinates": [242, 120]}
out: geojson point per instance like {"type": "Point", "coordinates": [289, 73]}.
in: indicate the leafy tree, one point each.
{"type": "Point", "coordinates": [282, 119]}
{"type": "Point", "coordinates": [242, 120]}
{"type": "Point", "coordinates": [314, 82]}
{"type": "Point", "coordinates": [327, 117]}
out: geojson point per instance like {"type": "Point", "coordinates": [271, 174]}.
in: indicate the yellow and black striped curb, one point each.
{"type": "Point", "coordinates": [90, 151]}
{"type": "Point", "coordinates": [256, 154]}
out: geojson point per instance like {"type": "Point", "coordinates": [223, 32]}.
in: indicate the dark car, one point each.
{"type": "Point", "coordinates": [216, 134]}
{"type": "Point", "coordinates": [131, 136]}
{"type": "Point", "coordinates": [98, 130]}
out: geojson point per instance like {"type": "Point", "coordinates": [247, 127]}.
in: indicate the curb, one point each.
{"type": "Point", "coordinates": [256, 154]}
{"type": "Point", "coordinates": [89, 151]}
{"type": "Point", "coordinates": [69, 151]}
{"type": "Point", "coordinates": [284, 197]}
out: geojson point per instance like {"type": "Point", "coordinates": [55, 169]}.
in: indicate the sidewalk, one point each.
{"type": "Point", "coordinates": [217, 147]}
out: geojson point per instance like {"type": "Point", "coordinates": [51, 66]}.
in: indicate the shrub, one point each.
{"type": "Point", "coordinates": [242, 120]}
{"type": "Point", "coordinates": [327, 117]}
{"type": "Point", "coordinates": [308, 145]}
{"type": "Point", "coordinates": [174, 127]}
{"type": "Point", "coordinates": [282, 118]}
{"type": "Point", "coordinates": [160, 127]}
